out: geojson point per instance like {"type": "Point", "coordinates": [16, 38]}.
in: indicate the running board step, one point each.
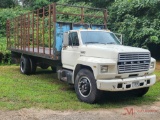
{"type": "Point", "coordinates": [65, 75]}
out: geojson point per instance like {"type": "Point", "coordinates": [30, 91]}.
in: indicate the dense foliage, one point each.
{"type": "Point", "coordinates": [137, 20]}
{"type": "Point", "coordinates": [35, 4]}
{"type": "Point", "coordinates": [5, 14]}
{"type": "Point", "coordinates": [9, 13]}
{"type": "Point", "coordinates": [7, 3]}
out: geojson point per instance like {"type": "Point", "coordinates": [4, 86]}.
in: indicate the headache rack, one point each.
{"type": "Point", "coordinates": [37, 33]}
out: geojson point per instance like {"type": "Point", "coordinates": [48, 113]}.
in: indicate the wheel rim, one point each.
{"type": "Point", "coordinates": [22, 66]}
{"type": "Point", "coordinates": [84, 86]}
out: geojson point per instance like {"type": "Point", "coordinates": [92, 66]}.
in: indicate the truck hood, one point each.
{"type": "Point", "coordinates": [108, 51]}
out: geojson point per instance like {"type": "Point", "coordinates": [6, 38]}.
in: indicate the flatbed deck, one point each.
{"type": "Point", "coordinates": [38, 52]}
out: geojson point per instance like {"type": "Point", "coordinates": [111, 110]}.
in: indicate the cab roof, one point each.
{"type": "Point", "coordinates": [89, 30]}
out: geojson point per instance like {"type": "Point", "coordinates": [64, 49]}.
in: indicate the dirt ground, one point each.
{"type": "Point", "coordinates": [144, 112]}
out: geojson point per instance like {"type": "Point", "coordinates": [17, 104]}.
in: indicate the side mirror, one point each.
{"type": "Point", "coordinates": [120, 37]}
{"type": "Point", "coordinates": [65, 39]}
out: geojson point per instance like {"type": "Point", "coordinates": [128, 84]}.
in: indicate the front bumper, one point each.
{"type": "Point", "coordinates": [126, 84]}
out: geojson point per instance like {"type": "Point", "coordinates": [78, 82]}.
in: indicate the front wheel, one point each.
{"type": "Point", "coordinates": [140, 92]}
{"type": "Point", "coordinates": [86, 87]}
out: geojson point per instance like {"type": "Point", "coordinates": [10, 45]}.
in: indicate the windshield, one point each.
{"type": "Point", "coordinates": [99, 37]}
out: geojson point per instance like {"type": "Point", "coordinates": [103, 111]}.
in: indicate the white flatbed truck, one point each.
{"type": "Point", "coordinates": [85, 55]}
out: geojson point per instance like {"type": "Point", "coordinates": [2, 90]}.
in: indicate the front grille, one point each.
{"type": "Point", "coordinates": [133, 62]}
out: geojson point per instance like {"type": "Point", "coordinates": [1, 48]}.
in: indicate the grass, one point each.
{"type": "Point", "coordinates": [3, 44]}
{"type": "Point", "coordinates": [157, 71]}
{"type": "Point", "coordinates": [44, 91]}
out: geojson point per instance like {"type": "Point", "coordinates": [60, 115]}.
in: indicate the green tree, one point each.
{"type": "Point", "coordinates": [8, 13]}
{"type": "Point", "coordinates": [35, 4]}
{"type": "Point", "coordinates": [139, 21]}
{"type": "Point", "coordinates": [7, 3]}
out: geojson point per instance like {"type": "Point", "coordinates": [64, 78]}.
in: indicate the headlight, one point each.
{"type": "Point", "coordinates": [104, 69]}
{"type": "Point", "coordinates": [152, 65]}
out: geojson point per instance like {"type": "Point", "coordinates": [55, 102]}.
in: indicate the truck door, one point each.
{"type": "Point", "coordinates": [71, 53]}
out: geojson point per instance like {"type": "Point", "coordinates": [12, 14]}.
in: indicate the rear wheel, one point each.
{"type": "Point", "coordinates": [54, 69]}
{"type": "Point", "coordinates": [33, 65]}
{"type": "Point", "coordinates": [86, 87]}
{"type": "Point", "coordinates": [44, 66]}
{"type": "Point", "coordinates": [25, 66]}
{"type": "Point", "coordinates": [140, 92]}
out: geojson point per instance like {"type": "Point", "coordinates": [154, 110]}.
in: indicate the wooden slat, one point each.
{"type": "Point", "coordinates": [49, 29]}
{"type": "Point", "coordinates": [33, 30]}
{"type": "Point", "coordinates": [43, 30]}
{"type": "Point", "coordinates": [37, 36]}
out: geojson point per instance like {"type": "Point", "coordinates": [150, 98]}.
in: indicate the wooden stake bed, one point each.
{"type": "Point", "coordinates": [39, 33]}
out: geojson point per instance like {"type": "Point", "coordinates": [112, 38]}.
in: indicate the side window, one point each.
{"type": "Point", "coordinates": [73, 39]}
{"type": "Point", "coordinates": [70, 39]}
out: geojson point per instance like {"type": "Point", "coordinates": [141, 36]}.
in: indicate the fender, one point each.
{"type": "Point", "coordinates": [93, 63]}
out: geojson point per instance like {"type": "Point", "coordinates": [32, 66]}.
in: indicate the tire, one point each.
{"type": "Point", "coordinates": [33, 65]}
{"type": "Point", "coordinates": [54, 69]}
{"type": "Point", "coordinates": [140, 92]}
{"type": "Point", "coordinates": [44, 66]}
{"type": "Point", "coordinates": [25, 66]}
{"type": "Point", "coordinates": [86, 87]}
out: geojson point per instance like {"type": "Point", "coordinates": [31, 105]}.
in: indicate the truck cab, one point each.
{"type": "Point", "coordinates": [96, 60]}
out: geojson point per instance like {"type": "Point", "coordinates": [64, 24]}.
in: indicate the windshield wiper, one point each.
{"type": "Point", "coordinates": [111, 43]}
{"type": "Point", "coordinates": [91, 42]}
{"type": "Point", "coordinates": [103, 43]}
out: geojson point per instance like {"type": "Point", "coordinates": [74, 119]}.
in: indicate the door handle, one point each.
{"type": "Point", "coordinates": [65, 47]}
